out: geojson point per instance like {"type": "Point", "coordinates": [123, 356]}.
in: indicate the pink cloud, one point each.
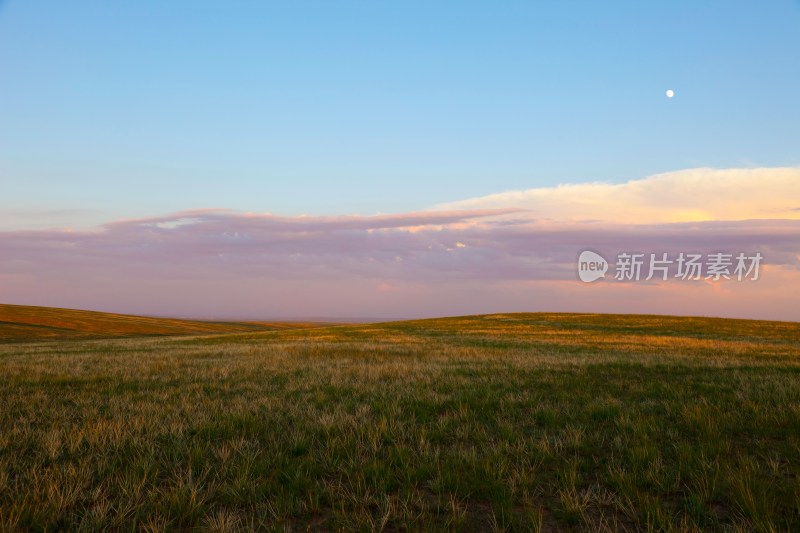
{"type": "Point", "coordinates": [226, 263]}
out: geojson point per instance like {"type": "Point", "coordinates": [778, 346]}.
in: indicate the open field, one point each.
{"type": "Point", "coordinates": [504, 422]}
{"type": "Point", "coordinates": [25, 323]}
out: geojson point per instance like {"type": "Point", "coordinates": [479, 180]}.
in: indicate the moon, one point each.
{"type": "Point", "coordinates": [670, 93]}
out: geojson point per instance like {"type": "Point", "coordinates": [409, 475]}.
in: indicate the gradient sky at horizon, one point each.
{"type": "Point", "coordinates": [111, 109]}
{"type": "Point", "coordinates": [228, 159]}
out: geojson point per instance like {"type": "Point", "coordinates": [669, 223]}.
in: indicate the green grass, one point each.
{"type": "Point", "coordinates": [519, 422]}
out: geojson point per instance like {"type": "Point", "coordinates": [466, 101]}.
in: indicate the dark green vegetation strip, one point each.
{"type": "Point", "coordinates": [504, 422]}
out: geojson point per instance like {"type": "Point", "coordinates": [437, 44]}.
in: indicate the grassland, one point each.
{"type": "Point", "coordinates": [522, 422]}
{"type": "Point", "coordinates": [26, 323]}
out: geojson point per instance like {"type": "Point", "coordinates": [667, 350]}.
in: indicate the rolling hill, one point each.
{"type": "Point", "coordinates": [30, 323]}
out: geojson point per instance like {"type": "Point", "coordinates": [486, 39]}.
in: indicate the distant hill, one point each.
{"type": "Point", "coordinates": [29, 323]}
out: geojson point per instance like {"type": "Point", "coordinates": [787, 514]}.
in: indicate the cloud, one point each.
{"type": "Point", "coordinates": [492, 257]}
{"type": "Point", "coordinates": [686, 196]}
{"type": "Point", "coordinates": [480, 244]}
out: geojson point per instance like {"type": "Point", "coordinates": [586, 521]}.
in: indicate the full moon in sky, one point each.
{"type": "Point", "coordinates": [670, 93]}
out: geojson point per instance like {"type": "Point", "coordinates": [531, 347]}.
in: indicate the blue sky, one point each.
{"type": "Point", "coordinates": [141, 108]}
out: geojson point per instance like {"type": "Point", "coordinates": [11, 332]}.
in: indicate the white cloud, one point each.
{"type": "Point", "coordinates": [693, 195]}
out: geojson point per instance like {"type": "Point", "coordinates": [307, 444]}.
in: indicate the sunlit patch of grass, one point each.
{"type": "Point", "coordinates": [527, 422]}
{"type": "Point", "coordinates": [22, 323]}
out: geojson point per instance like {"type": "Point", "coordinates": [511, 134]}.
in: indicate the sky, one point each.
{"type": "Point", "coordinates": [395, 159]}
